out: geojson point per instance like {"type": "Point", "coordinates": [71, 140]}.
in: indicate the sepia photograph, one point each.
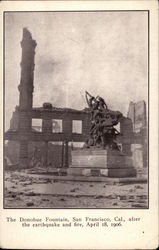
{"type": "Point", "coordinates": [76, 109]}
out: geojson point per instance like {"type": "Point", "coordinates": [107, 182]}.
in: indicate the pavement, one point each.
{"type": "Point", "coordinates": [33, 190]}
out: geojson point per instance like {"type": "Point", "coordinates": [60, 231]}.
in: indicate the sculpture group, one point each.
{"type": "Point", "coordinates": [102, 132]}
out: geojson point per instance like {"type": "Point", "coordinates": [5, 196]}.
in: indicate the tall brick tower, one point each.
{"type": "Point", "coordinates": [26, 93]}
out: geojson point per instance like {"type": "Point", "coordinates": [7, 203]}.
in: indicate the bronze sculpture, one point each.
{"type": "Point", "coordinates": [102, 131]}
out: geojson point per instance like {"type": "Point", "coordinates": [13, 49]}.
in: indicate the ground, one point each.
{"type": "Point", "coordinates": [24, 190]}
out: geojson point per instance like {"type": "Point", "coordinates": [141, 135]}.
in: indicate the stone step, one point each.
{"type": "Point", "coordinates": [108, 180]}
{"type": "Point", "coordinates": [122, 172]}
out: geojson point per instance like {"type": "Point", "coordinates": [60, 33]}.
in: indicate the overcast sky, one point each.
{"type": "Point", "coordinates": [104, 53]}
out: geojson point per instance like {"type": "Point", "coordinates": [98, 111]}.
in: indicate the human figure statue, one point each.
{"type": "Point", "coordinates": [102, 104]}
{"type": "Point", "coordinates": [102, 131]}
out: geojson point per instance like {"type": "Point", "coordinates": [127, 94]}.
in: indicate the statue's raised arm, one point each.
{"type": "Point", "coordinates": [89, 99]}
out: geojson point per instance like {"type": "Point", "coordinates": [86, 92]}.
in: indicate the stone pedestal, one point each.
{"type": "Point", "coordinates": [108, 163]}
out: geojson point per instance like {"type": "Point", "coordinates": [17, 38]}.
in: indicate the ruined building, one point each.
{"type": "Point", "coordinates": [57, 124]}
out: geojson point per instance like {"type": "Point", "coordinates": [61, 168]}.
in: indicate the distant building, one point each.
{"type": "Point", "coordinates": [137, 113]}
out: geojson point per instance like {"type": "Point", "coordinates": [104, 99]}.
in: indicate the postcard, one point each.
{"type": "Point", "coordinates": [79, 112]}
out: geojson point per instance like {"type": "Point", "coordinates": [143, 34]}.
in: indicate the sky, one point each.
{"type": "Point", "coordinates": [104, 53]}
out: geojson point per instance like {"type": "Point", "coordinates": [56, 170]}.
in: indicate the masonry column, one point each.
{"type": "Point", "coordinates": [26, 94]}
{"type": "Point", "coordinates": [86, 125]}
{"type": "Point", "coordinates": [45, 154]}
{"type": "Point", "coordinates": [46, 129]}
{"type": "Point", "coordinates": [67, 129]}
{"type": "Point", "coordinates": [66, 165]}
{"type": "Point", "coordinates": [62, 155]}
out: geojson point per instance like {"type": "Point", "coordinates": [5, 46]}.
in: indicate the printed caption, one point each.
{"type": "Point", "coordinates": [76, 222]}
